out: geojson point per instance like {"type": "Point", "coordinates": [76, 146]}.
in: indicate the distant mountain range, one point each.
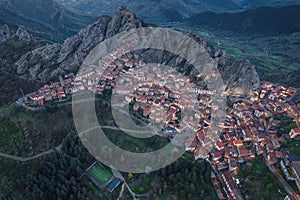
{"type": "Point", "coordinates": [152, 10]}
{"type": "Point", "coordinates": [256, 3]}
{"type": "Point", "coordinates": [262, 20]}
{"type": "Point", "coordinates": [169, 10]}
{"type": "Point", "coordinates": [47, 20]}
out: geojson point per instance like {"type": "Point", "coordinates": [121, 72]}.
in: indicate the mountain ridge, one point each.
{"type": "Point", "coordinates": [47, 20]}
{"type": "Point", "coordinates": [161, 11]}
{"type": "Point", "coordinates": [267, 20]}
{"type": "Point", "coordinates": [152, 11]}
{"type": "Point", "coordinates": [258, 3]}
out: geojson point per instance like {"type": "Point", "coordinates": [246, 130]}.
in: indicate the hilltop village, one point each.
{"type": "Point", "coordinates": [250, 127]}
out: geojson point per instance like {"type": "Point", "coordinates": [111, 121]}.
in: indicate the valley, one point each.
{"type": "Point", "coordinates": [47, 20]}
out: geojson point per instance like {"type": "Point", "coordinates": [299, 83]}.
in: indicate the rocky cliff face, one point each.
{"type": "Point", "coordinates": [53, 60]}
{"type": "Point", "coordinates": [5, 33]}
{"type": "Point", "coordinates": [239, 76]}
{"type": "Point", "coordinates": [22, 34]}
{"type": "Point", "coordinates": [47, 63]}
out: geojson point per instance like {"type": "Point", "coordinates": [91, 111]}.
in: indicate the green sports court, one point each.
{"type": "Point", "coordinates": [100, 174]}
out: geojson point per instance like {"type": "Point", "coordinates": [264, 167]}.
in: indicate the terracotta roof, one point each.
{"type": "Point", "coordinates": [296, 130]}
{"type": "Point", "coordinates": [200, 135]}
{"type": "Point", "coordinates": [220, 145]}
{"type": "Point", "coordinates": [172, 111]}
{"type": "Point", "coordinates": [146, 110]}
{"type": "Point", "coordinates": [218, 154]}
{"type": "Point", "coordinates": [230, 142]}
{"type": "Point", "coordinates": [238, 142]}
{"type": "Point", "coordinates": [244, 151]}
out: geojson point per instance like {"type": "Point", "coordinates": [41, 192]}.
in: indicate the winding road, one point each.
{"type": "Point", "coordinates": [17, 158]}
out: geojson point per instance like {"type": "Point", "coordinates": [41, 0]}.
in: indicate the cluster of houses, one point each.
{"type": "Point", "coordinates": [250, 128]}
{"type": "Point", "coordinates": [55, 90]}
{"type": "Point", "coordinates": [160, 94]}
{"type": "Point", "coordinates": [251, 120]}
{"type": "Point", "coordinates": [94, 78]}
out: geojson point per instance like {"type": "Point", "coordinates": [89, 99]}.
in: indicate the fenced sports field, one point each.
{"type": "Point", "coordinates": [100, 174]}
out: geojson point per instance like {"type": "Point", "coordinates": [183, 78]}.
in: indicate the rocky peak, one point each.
{"type": "Point", "coordinates": [123, 20]}
{"type": "Point", "coordinates": [22, 34]}
{"type": "Point", "coordinates": [5, 33]}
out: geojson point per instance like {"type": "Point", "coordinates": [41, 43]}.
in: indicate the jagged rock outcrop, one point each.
{"type": "Point", "coordinates": [239, 76]}
{"type": "Point", "coordinates": [21, 34]}
{"type": "Point", "coordinates": [5, 33]}
{"type": "Point", "coordinates": [45, 64]}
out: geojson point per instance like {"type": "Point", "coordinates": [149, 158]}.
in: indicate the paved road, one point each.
{"type": "Point", "coordinates": [17, 158]}
{"type": "Point", "coordinates": [117, 174]}
{"type": "Point", "coordinates": [121, 192]}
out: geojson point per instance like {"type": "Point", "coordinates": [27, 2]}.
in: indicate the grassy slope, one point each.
{"type": "Point", "coordinates": [258, 182]}
{"type": "Point", "coordinates": [293, 147]}
{"type": "Point", "coordinates": [27, 132]}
